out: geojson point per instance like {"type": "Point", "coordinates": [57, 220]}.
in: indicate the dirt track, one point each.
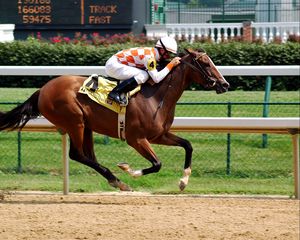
{"type": "Point", "coordinates": [142, 216]}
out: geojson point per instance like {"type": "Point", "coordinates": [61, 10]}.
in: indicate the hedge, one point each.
{"type": "Point", "coordinates": [39, 53]}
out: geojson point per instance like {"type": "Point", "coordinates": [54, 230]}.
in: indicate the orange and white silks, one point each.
{"type": "Point", "coordinates": [139, 63]}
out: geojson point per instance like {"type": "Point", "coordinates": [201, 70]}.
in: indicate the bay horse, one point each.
{"type": "Point", "coordinates": [149, 115]}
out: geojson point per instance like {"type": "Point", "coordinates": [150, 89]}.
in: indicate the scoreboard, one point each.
{"type": "Point", "coordinates": [60, 14]}
{"type": "Point", "coordinates": [66, 11]}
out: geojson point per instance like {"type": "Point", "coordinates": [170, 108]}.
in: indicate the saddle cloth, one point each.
{"type": "Point", "coordinates": [98, 92]}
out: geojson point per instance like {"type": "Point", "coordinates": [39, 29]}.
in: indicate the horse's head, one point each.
{"type": "Point", "coordinates": [208, 75]}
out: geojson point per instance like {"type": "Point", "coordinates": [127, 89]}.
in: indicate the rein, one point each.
{"type": "Point", "coordinates": [162, 99]}
{"type": "Point", "coordinates": [199, 68]}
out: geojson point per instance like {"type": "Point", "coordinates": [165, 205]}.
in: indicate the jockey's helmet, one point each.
{"type": "Point", "coordinates": [167, 43]}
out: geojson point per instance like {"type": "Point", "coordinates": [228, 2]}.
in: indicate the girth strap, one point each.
{"type": "Point", "coordinates": [121, 124]}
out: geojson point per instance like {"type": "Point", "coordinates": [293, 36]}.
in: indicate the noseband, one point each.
{"type": "Point", "coordinates": [199, 68]}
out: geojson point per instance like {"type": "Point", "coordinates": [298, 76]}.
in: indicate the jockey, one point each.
{"type": "Point", "coordinates": [134, 66]}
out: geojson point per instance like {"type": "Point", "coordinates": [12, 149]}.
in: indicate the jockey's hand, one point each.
{"type": "Point", "coordinates": [175, 61]}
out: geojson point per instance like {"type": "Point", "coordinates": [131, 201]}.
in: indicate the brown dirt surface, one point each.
{"type": "Point", "coordinates": [139, 216]}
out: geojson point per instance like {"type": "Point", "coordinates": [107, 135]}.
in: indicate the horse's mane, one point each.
{"type": "Point", "coordinates": [181, 54]}
{"type": "Point", "coordinates": [149, 88]}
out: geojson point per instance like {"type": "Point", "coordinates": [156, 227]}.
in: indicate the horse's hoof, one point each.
{"type": "Point", "coordinates": [124, 187]}
{"type": "Point", "coordinates": [118, 184]}
{"type": "Point", "coordinates": [114, 184]}
{"type": "Point", "coordinates": [124, 166]}
{"type": "Point", "coordinates": [182, 185]}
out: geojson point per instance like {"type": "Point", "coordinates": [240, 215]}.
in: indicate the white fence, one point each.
{"type": "Point", "coordinates": [269, 31]}
{"type": "Point", "coordinates": [266, 31]}
{"type": "Point", "coordinates": [238, 125]}
{"type": "Point", "coordinates": [193, 30]}
{"type": "Point", "coordinates": [279, 70]}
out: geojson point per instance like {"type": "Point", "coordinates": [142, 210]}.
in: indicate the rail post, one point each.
{"type": "Point", "coordinates": [19, 166]}
{"type": "Point", "coordinates": [106, 140]}
{"type": "Point", "coordinates": [266, 107]}
{"type": "Point", "coordinates": [295, 139]}
{"type": "Point", "coordinates": [228, 169]}
{"type": "Point", "coordinates": [65, 164]}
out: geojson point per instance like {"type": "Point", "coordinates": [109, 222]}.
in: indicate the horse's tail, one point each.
{"type": "Point", "coordinates": [20, 115]}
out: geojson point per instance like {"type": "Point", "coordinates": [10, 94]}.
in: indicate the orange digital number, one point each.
{"type": "Point", "coordinates": [25, 19]}
{"type": "Point", "coordinates": [45, 9]}
{"type": "Point", "coordinates": [34, 9]}
{"type": "Point", "coordinates": [34, 19]}
{"type": "Point", "coordinates": [34, 1]}
{"type": "Point", "coordinates": [45, 19]}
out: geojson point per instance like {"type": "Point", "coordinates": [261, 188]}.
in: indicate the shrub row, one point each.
{"type": "Point", "coordinates": [39, 53]}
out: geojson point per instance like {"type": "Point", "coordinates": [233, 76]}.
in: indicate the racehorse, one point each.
{"type": "Point", "coordinates": [149, 115]}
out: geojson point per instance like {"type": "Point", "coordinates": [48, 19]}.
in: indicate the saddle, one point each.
{"type": "Point", "coordinates": [98, 88]}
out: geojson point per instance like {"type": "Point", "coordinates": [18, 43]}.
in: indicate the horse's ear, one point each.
{"type": "Point", "coordinates": [189, 51]}
{"type": "Point", "coordinates": [181, 54]}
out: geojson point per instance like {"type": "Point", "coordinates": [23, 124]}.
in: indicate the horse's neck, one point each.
{"type": "Point", "coordinates": [177, 83]}
{"type": "Point", "coordinates": [161, 98]}
{"type": "Point", "coordinates": [170, 90]}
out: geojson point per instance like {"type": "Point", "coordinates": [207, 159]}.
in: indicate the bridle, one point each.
{"type": "Point", "coordinates": [199, 68]}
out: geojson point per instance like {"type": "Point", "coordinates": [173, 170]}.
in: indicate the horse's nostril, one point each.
{"type": "Point", "coordinates": [225, 85]}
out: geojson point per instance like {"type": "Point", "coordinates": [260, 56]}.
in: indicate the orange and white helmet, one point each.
{"type": "Point", "coordinates": [167, 43]}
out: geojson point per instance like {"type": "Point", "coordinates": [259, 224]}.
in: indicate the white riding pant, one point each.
{"type": "Point", "coordinates": [115, 69]}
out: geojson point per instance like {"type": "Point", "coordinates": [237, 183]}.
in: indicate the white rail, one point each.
{"type": "Point", "coordinates": [266, 31]}
{"type": "Point", "coordinates": [278, 70]}
{"type": "Point", "coordinates": [196, 124]}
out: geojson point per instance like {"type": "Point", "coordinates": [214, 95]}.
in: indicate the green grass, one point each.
{"type": "Point", "coordinates": [254, 170]}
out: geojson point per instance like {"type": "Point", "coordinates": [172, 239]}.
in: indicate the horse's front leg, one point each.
{"type": "Point", "coordinates": [173, 140]}
{"type": "Point", "coordinates": [144, 148]}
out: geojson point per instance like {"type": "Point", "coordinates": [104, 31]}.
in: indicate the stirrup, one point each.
{"type": "Point", "coordinates": [117, 98]}
{"type": "Point", "coordinates": [93, 83]}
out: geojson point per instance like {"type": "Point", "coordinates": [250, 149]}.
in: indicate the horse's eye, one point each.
{"type": "Point", "coordinates": [206, 64]}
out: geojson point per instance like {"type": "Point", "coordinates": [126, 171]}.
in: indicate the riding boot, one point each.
{"type": "Point", "coordinates": [124, 87]}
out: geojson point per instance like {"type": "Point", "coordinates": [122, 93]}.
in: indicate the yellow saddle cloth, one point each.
{"type": "Point", "coordinates": [98, 92]}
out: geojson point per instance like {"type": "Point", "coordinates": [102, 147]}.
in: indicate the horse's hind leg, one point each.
{"type": "Point", "coordinates": [88, 146]}
{"type": "Point", "coordinates": [82, 150]}
{"type": "Point", "coordinates": [144, 148]}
